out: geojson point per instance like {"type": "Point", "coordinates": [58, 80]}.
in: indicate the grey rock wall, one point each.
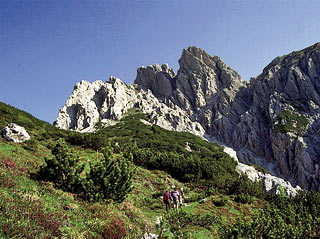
{"type": "Point", "coordinates": [272, 121]}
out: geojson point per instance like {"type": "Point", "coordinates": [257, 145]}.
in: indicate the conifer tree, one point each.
{"type": "Point", "coordinates": [63, 168]}
{"type": "Point", "coordinates": [109, 178]}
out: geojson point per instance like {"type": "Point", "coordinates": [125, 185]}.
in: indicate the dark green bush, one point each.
{"type": "Point", "coordinates": [243, 198]}
{"type": "Point", "coordinates": [221, 201]}
{"type": "Point", "coordinates": [281, 217]}
{"type": "Point", "coordinates": [96, 140]}
{"type": "Point", "coordinates": [109, 178]}
{"type": "Point", "coordinates": [63, 168]}
{"type": "Point", "coordinates": [243, 185]}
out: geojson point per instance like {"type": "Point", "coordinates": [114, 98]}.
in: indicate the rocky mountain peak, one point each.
{"type": "Point", "coordinates": [299, 58]}
{"type": "Point", "coordinates": [194, 58]}
{"type": "Point", "coordinates": [201, 78]}
{"type": "Point", "coordinates": [159, 79]}
{"type": "Point", "coordinates": [273, 121]}
{"type": "Point", "coordinates": [294, 77]}
{"type": "Point", "coordinates": [286, 101]}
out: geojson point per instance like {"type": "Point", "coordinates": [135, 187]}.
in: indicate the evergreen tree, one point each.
{"type": "Point", "coordinates": [63, 168]}
{"type": "Point", "coordinates": [109, 178]}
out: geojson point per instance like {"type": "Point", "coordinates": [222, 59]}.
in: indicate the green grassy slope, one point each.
{"type": "Point", "coordinates": [216, 206]}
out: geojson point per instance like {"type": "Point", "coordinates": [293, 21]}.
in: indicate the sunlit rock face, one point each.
{"type": "Point", "coordinates": [91, 102]}
{"type": "Point", "coordinates": [15, 133]}
{"type": "Point", "coordinates": [272, 121]}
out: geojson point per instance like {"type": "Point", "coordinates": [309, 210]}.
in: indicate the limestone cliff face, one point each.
{"type": "Point", "coordinates": [272, 121]}
{"type": "Point", "coordinates": [205, 89]}
{"type": "Point", "coordinates": [89, 103]}
{"type": "Point", "coordinates": [282, 126]}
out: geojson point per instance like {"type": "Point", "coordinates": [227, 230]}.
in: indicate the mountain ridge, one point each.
{"type": "Point", "coordinates": [259, 119]}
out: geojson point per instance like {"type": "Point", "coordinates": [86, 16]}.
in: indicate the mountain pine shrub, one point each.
{"type": "Point", "coordinates": [63, 168]}
{"type": "Point", "coordinates": [243, 198]}
{"type": "Point", "coordinates": [109, 178]}
{"type": "Point", "coordinates": [244, 186]}
{"type": "Point", "coordinates": [220, 201]}
{"type": "Point", "coordinates": [282, 217]}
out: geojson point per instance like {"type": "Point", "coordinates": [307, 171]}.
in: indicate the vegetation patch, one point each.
{"type": "Point", "coordinates": [281, 218]}
{"type": "Point", "coordinates": [68, 200]}
{"type": "Point", "coordinates": [107, 178]}
{"type": "Point", "coordinates": [290, 121]}
{"type": "Point", "coordinates": [259, 168]}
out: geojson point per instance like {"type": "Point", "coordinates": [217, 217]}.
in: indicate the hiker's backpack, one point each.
{"type": "Point", "coordinates": [175, 195]}
{"type": "Point", "coordinates": [166, 196]}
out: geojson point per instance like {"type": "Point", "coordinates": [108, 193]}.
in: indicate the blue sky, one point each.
{"type": "Point", "coordinates": [48, 46]}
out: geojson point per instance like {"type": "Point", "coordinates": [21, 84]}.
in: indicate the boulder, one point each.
{"type": "Point", "coordinates": [15, 133]}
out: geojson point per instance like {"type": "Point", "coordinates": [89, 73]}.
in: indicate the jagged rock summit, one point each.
{"type": "Point", "coordinates": [272, 121]}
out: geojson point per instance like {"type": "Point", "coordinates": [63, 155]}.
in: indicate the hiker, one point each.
{"type": "Point", "coordinates": [181, 196]}
{"type": "Point", "coordinates": [175, 197]}
{"type": "Point", "coordinates": [166, 199]}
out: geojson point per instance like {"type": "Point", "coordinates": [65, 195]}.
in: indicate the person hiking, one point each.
{"type": "Point", "coordinates": [166, 199]}
{"type": "Point", "coordinates": [181, 196]}
{"type": "Point", "coordinates": [175, 197]}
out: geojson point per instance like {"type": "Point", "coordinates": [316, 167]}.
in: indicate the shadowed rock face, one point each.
{"type": "Point", "coordinates": [286, 111]}
{"type": "Point", "coordinates": [158, 79]}
{"type": "Point", "coordinates": [273, 121]}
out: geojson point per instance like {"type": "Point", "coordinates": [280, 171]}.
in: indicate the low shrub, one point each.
{"type": "Point", "coordinates": [281, 217]}
{"type": "Point", "coordinates": [220, 201]}
{"type": "Point", "coordinates": [242, 185]}
{"type": "Point", "coordinates": [63, 168]}
{"type": "Point", "coordinates": [108, 178]}
{"type": "Point", "coordinates": [243, 198]}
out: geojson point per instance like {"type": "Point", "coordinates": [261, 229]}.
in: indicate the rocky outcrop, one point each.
{"type": "Point", "coordinates": [282, 125]}
{"type": "Point", "coordinates": [213, 93]}
{"type": "Point", "coordinates": [157, 79]}
{"type": "Point", "coordinates": [272, 121]}
{"type": "Point", "coordinates": [271, 184]}
{"type": "Point", "coordinates": [90, 103]}
{"type": "Point", "coordinates": [15, 133]}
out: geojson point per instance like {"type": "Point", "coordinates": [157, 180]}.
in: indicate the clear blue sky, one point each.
{"type": "Point", "coordinates": [48, 46]}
